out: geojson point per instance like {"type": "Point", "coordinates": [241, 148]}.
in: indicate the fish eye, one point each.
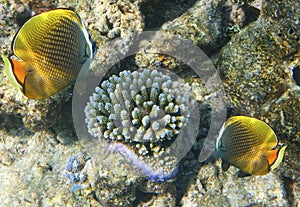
{"type": "Point", "coordinates": [278, 146]}
{"type": "Point", "coordinates": [274, 148]}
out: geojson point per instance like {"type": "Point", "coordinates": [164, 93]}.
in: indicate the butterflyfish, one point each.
{"type": "Point", "coordinates": [250, 145]}
{"type": "Point", "coordinates": [49, 51]}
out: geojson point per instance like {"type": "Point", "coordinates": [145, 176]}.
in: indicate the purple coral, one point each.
{"type": "Point", "coordinates": [75, 171]}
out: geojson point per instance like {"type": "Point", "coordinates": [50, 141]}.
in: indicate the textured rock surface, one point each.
{"type": "Point", "coordinates": [212, 187]}
{"type": "Point", "coordinates": [31, 169]}
{"type": "Point", "coordinates": [202, 24]}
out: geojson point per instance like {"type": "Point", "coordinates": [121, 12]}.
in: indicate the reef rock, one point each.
{"type": "Point", "coordinates": [212, 187]}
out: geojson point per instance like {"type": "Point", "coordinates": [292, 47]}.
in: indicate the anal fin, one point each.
{"type": "Point", "coordinates": [225, 166]}
{"type": "Point", "coordinates": [242, 174]}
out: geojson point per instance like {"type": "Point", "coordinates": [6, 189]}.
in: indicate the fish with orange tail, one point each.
{"type": "Point", "coordinates": [250, 145]}
{"type": "Point", "coordinates": [49, 51]}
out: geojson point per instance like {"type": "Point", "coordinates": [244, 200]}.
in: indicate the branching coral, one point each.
{"type": "Point", "coordinates": [143, 110]}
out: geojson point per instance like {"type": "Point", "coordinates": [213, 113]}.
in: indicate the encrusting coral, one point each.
{"type": "Point", "coordinates": [76, 172]}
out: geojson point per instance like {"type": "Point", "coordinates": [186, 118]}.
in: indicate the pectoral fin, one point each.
{"type": "Point", "coordinates": [35, 86]}
{"type": "Point", "coordinates": [261, 166]}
